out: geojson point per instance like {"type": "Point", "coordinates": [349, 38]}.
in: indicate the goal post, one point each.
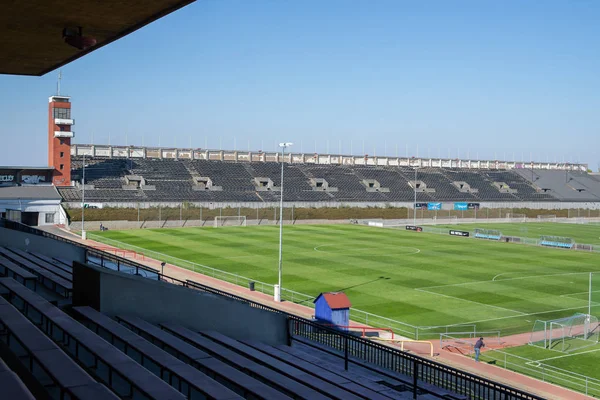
{"type": "Point", "coordinates": [566, 334]}
{"type": "Point", "coordinates": [546, 218]}
{"type": "Point", "coordinates": [445, 219]}
{"type": "Point", "coordinates": [221, 221]}
{"type": "Point", "coordinates": [516, 217]}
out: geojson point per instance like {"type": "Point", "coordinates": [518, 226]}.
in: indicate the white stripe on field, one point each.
{"type": "Point", "coordinates": [507, 279]}
{"type": "Point", "coordinates": [471, 301]}
{"type": "Point", "coordinates": [523, 315]}
{"type": "Point", "coordinates": [565, 355]}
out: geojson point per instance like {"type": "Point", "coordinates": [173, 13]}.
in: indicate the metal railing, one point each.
{"type": "Point", "coordinates": [92, 254]}
{"type": "Point", "coordinates": [421, 374]}
{"type": "Point", "coordinates": [544, 372]}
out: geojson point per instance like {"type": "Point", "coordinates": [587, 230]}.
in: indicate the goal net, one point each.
{"type": "Point", "coordinates": [491, 234]}
{"type": "Point", "coordinates": [449, 219]}
{"type": "Point", "coordinates": [566, 334]}
{"type": "Point", "coordinates": [230, 221]}
{"type": "Point", "coordinates": [546, 218]}
{"type": "Point", "coordinates": [516, 217]}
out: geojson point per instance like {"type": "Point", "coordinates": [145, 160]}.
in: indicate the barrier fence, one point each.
{"type": "Point", "coordinates": [544, 372]}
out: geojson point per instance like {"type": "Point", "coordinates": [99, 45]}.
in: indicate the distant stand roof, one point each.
{"type": "Point", "coordinates": [335, 300]}
{"type": "Point", "coordinates": [38, 192]}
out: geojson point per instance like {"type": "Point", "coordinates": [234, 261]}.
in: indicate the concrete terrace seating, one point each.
{"type": "Point", "coordinates": [59, 374]}
{"type": "Point", "coordinates": [100, 172]}
{"type": "Point", "coordinates": [57, 263]}
{"type": "Point", "coordinates": [106, 363]}
{"type": "Point", "coordinates": [171, 180]}
{"type": "Point", "coordinates": [65, 274]}
{"type": "Point", "coordinates": [435, 179]}
{"type": "Point", "coordinates": [400, 190]}
{"type": "Point", "coordinates": [11, 384]}
{"type": "Point", "coordinates": [11, 270]}
{"type": "Point", "coordinates": [46, 277]}
{"type": "Point", "coordinates": [477, 180]}
{"type": "Point", "coordinates": [325, 383]}
{"type": "Point", "coordinates": [331, 375]}
{"type": "Point", "coordinates": [231, 176]}
{"type": "Point", "coordinates": [183, 377]}
{"type": "Point", "coordinates": [248, 382]}
{"type": "Point", "coordinates": [566, 186]}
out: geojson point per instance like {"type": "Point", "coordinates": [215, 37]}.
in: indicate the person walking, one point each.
{"type": "Point", "coordinates": [478, 345]}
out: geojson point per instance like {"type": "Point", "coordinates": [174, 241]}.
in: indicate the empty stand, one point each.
{"type": "Point", "coordinates": [11, 270]}
{"type": "Point", "coordinates": [171, 180]}
{"type": "Point", "coordinates": [183, 377]}
{"type": "Point", "coordinates": [99, 358]}
{"type": "Point", "coordinates": [60, 375]}
{"type": "Point", "coordinates": [46, 277]}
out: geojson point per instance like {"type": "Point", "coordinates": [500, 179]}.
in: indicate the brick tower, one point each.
{"type": "Point", "coordinates": [59, 139]}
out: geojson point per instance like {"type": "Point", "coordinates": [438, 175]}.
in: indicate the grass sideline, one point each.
{"type": "Point", "coordinates": [421, 279]}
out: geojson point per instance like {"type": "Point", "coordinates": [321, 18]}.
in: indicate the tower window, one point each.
{"type": "Point", "coordinates": [62, 154]}
{"type": "Point", "coordinates": [62, 166]}
{"type": "Point", "coordinates": [61, 141]}
{"type": "Point", "coordinates": [62, 113]}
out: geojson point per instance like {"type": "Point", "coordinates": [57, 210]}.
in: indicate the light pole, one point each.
{"type": "Point", "coordinates": [277, 291]}
{"type": "Point", "coordinates": [83, 200]}
{"type": "Point", "coordinates": [415, 202]}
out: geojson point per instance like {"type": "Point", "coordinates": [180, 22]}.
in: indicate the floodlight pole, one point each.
{"type": "Point", "coordinates": [277, 293]}
{"type": "Point", "coordinates": [415, 202]}
{"type": "Point", "coordinates": [590, 297]}
{"type": "Point", "coordinates": [83, 201]}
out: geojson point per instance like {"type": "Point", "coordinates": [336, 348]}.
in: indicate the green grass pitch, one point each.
{"type": "Point", "coordinates": [418, 278]}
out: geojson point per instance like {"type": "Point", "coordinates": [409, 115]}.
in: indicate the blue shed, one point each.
{"type": "Point", "coordinates": [333, 308]}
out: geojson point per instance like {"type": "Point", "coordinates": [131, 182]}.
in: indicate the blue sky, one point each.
{"type": "Point", "coordinates": [470, 78]}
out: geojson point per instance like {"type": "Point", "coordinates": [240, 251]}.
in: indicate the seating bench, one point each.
{"type": "Point", "coordinates": [273, 378]}
{"type": "Point", "coordinates": [99, 357]}
{"type": "Point", "coordinates": [49, 279]}
{"type": "Point", "coordinates": [182, 376]}
{"type": "Point", "coordinates": [246, 385]}
{"type": "Point", "coordinates": [21, 275]}
{"type": "Point", "coordinates": [64, 373]}
{"type": "Point", "coordinates": [291, 371]}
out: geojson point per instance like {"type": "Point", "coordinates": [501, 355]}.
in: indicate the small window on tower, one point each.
{"type": "Point", "coordinates": [62, 166]}
{"type": "Point", "coordinates": [62, 154]}
{"type": "Point", "coordinates": [61, 141]}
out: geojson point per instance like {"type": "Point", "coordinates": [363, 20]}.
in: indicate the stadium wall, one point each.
{"type": "Point", "coordinates": [118, 225]}
{"type": "Point", "coordinates": [47, 246]}
{"type": "Point", "coordinates": [448, 205]}
{"type": "Point", "coordinates": [116, 294]}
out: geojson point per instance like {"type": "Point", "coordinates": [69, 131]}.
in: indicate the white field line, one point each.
{"type": "Point", "coordinates": [507, 279]}
{"type": "Point", "coordinates": [578, 293]}
{"type": "Point", "coordinates": [523, 315]}
{"type": "Point", "coordinates": [471, 301]}
{"type": "Point", "coordinates": [562, 356]}
{"type": "Point", "coordinates": [414, 249]}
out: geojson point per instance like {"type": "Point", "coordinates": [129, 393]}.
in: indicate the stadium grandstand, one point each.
{"type": "Point", "coordinates": [125, 176]}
